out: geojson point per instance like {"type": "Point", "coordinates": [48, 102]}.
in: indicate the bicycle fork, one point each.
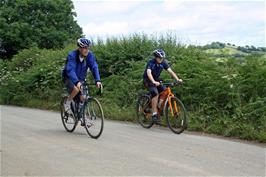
{"type": "Point", "coordinates": [171, 106]}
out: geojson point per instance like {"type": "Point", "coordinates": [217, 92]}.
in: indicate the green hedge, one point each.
{"type": "Point", "coordinates": [223, 96]}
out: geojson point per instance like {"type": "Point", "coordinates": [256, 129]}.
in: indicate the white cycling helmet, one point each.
{"type": "Point", "coordinates": [83, 42]}
{"type": "Point", "coordinates": [159, 53]}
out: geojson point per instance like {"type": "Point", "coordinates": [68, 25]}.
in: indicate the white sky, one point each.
{"type": "Point", "coordinates": [196, 22]}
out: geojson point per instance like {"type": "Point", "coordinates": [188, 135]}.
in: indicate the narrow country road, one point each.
{"type": "Point", "coordinates": [34, 143]}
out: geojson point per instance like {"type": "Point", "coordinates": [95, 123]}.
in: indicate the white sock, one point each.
{"type": "Point", "coordinates": [68, 102]}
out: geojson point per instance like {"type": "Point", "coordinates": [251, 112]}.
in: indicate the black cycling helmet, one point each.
{"type": "Point", "coordinates": [159, 53]}
{"type": "Point", "coordinates": [83, 42]}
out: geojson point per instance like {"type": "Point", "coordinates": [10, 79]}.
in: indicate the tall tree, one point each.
{"type": "Point", "coordinates": [47, 23]}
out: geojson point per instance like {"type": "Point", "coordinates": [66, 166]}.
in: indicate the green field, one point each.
{"type": "Point", "coordinates": [229, 50]}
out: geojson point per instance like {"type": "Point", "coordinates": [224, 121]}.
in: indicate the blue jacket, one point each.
{"type": "Point", "coordinates": [76, 70]}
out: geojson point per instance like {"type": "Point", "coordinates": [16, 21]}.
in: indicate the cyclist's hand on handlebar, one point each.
{"type": "Point", "coordinates": [179, 81]}
{"type": "Point", "coordinates": [156, 83]}
{"type": "Point", "coordinates": [99, 85]}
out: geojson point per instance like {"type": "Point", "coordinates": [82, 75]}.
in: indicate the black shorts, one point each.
{"type": "Point", "coordinates": [153, 89]}
{"type": "Point", "coordinates": [69, 84]}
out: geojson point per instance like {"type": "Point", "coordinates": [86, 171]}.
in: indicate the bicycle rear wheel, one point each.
{"type": "Point", "coordinates": [93, 118]}
{"type": "Point", "coordinates": [144, 112]}
{"type": "Point", "coordinates": [68, 121]}
{"type": "Point", "coordinates": [176, 115]}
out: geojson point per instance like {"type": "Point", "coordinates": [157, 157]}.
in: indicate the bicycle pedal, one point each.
{"type": "Point", "coordinates": [70, 114]}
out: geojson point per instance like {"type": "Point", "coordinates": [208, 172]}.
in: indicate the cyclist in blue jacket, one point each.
{"type": "Point", "coordinates": [75, 70]}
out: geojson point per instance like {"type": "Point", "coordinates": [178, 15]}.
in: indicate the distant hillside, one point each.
{"type": "Point", "coordinates": [219, 49]}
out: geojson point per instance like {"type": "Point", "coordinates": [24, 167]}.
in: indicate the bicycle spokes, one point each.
{"type": "Point", "coordinates": [176, 116]}
{"type": "Point", "coordinates": [93, 118]}
{"type": "Point", "coordinates": [89, 116]}
{"type": "Point", "coordinates": [144, 111]}
{"type": "Point", "coordinates": [68, 121]}
{"type": "Point", "coordinates": [173, 110]}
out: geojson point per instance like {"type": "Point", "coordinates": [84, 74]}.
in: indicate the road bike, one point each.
{"type": "Point", "coordinates": [89, 113]}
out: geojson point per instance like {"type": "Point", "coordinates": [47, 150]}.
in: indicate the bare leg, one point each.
{"type": "Point", "coordinates": [154, 102]}
{"type": "Point", "coordinates": [74, 92]}
{"type": "Point", "coordinates": [82, 98]}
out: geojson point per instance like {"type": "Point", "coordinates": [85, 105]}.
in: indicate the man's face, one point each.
{"type": "Point", "coordinates": [84, 51]}
{"type": "Point", "coordinates": [159, 60]}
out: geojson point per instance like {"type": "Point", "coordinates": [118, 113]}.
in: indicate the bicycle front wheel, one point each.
{"type": "Point", "coordinates": [176, 115]}
{"type": "Point", "coordinates": [93, 118]}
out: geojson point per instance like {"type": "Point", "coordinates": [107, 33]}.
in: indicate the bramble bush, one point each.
{"type": "Point", "coordinates": [225, 96]}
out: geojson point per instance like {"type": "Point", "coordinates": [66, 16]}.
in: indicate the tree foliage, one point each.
{"type": "Point", "coordinates": [23, 23]}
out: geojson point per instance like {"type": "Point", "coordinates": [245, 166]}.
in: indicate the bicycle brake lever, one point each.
{"type": "Point", "coordinates": [178, 82]}
{"type": "Point", "coordinates": [100, 90]}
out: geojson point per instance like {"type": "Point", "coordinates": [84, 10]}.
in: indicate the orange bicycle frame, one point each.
{"type": "Point", "coordinates": [170, 95]}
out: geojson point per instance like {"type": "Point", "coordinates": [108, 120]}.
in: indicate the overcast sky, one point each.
{"type": "Point", "coordinates": [194, 22]}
